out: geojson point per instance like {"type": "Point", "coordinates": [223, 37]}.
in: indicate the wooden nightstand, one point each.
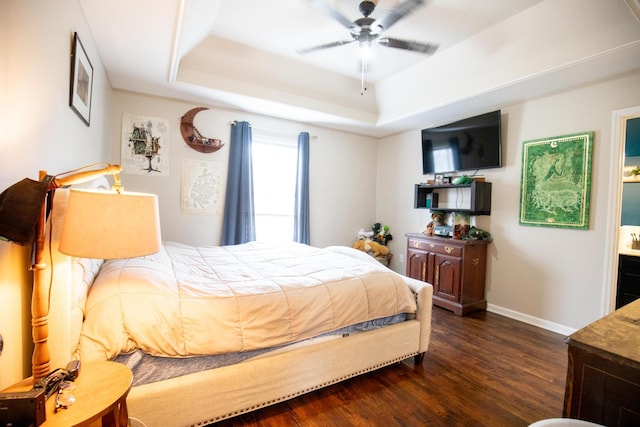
{"type": "Point", "coordinates": [101, 392]}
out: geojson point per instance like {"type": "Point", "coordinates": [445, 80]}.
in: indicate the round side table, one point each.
{"type": "Point", "coordinates": [100, 390]}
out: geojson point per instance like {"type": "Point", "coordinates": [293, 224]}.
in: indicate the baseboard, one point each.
{"type": "Point", "coordinates": [535, 321]}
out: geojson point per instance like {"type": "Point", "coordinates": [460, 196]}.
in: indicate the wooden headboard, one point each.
{"type": "Point", "coordinates": [69, 280]}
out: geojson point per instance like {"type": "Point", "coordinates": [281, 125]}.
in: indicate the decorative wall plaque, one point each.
{"type": "Point", "coordinates": [193, 137]}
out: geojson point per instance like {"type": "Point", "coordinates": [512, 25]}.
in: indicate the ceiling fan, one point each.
{"type": "Point", "coordinates": [368, 31]}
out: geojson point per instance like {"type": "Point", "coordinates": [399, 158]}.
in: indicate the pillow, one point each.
{"type": "Point", "coordinates": [83, 272]}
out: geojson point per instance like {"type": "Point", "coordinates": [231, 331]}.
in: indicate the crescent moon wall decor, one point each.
{"type": "Point", "coordinates": [193, 137]}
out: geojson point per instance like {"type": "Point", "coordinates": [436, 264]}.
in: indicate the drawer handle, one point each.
{"type": "Point", "coordinates": [416, 244]}
{"type": "Point", "coordinates": [431, 245]}
{"type": "Point", "coordinates": [448, 249]}
{"type": "Point", "coordinates": [475, 261]}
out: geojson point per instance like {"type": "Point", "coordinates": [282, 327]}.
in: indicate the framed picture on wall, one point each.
{"type": "Point", "coordinates": [555, 186]}
{"type": "Point", "coordinates": [81, 85]}
{"type": "Point", "coordinates": [145, 145]}
{"type": "Point", "coordinates": [202, 187]}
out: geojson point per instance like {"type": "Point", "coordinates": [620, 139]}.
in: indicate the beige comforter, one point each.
{"type": "Point", "coordinates": [187, 301]}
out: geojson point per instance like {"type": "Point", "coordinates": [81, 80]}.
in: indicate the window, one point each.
{"type": "Point", "coordinates": [274, 186]}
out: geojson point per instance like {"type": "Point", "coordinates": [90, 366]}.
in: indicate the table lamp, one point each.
{"type": "Point", "coordinates": [97, 224]}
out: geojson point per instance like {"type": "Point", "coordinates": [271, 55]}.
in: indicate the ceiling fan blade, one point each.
{"type": "Point", "coordinates": [400, 11]}
{"type": "Point", "coordinates": [332, 12]}
{"type": "Point", "coordinates": [413, 46]}
{"type": "Point", "coordinates": [325, 46]}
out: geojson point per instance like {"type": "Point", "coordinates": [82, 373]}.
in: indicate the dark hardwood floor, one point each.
{"type": "Point", "coordinates": [481, 370]}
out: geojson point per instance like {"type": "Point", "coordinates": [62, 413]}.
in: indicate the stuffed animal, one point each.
{"type": "Point", "coordinates": [381, 234]}
{"type": "Point", "coordinates": [371, 246]}
{"type": "Point", "coordinates": [430, 228]}
{"type": "Point", "coordinates": [366, 235]}
{"type": "Point", "coordinates": [361, 245]}
{"type": "Point", "coordinates": [378, 249]}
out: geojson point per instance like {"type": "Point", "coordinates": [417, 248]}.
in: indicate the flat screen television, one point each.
{"type": "Point", "coordinates": [469, 144]}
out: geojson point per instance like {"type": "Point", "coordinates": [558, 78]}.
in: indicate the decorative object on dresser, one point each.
{"type": "Point", "coordinates": [455, 268]}
{"type": "Point", "coordinates": [603, 374]}
{"type": "Point", "coordinates": [461, 225]}
{"type": "Point", "coordinates": [436, 223]}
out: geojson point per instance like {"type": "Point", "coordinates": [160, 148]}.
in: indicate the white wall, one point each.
{"type": "Point", "coordinates": [553, 276]}
{"type": "Point", "coordinates": [342, 171]}
{"type": "Point", "coordinates": [579, 40]}
{"type": "Point", "coordinates": [38, 131]}
{"type": "Point", "coordinates": [547, 276]}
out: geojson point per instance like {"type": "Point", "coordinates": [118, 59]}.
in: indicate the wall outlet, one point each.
{"type": "Point", "coordinates": [401, 257]}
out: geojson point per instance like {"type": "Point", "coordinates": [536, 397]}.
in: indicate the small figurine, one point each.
{"type": "Point", "coordinates": [429, 230]}
{"type": "Point", "coordinates": [437, 217]}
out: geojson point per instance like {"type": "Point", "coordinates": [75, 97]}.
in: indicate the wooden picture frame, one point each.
{"type": "Point", "coordinates": [555, 185]}
{"type": "Point", "coordinates": [81, 84]}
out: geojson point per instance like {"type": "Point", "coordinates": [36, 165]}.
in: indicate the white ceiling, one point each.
{"type": "Point", "coordinates": [242, 54]}
{"type": "Point", "coordinates": [282, 27]}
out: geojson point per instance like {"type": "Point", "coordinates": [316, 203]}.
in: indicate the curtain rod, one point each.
{"type": "Point", "coordinates": [281, 132]}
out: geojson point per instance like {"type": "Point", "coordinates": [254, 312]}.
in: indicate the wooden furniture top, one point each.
{"type": "Point", "coordinates": [617, 334]}
{"type": "Point", "coordinates": [100, 387]}
{"type": "Point", "coordinates": [446, 240]}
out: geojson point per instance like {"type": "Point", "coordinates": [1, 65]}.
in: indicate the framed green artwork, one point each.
{"type": "Point", "coordinates": [555, 186]}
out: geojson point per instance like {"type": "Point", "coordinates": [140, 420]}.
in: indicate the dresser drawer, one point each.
{"type": "Point", "coordinates": [440, 248]}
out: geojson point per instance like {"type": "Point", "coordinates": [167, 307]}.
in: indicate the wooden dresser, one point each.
{"type": "Point", "coordinates": [455, 268]}
{"type": "Point", "coordinates": [603, 374]}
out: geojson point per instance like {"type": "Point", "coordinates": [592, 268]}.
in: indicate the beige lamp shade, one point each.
{"type": "Point", "coordinates": [108, 224]}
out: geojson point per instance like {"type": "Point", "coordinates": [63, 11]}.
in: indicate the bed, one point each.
{"type": "Point", "coordinates": [282, 348]}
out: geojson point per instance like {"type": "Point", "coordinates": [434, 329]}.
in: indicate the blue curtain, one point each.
{"type": "Point", "coordinates": [239, 225]}
{"type": "Point", "coordinates": [301, 213]}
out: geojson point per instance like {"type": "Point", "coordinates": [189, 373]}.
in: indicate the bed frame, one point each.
{"type": "Point", "coordinates": [208, 396]}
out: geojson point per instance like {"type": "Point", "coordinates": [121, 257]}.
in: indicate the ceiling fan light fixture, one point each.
{"type": "Point", "coordinates": [365, 50]}
{"type": "Point", "coordinates": [367, 7]}
{"type": "Point", "coordinates": [368, 31]}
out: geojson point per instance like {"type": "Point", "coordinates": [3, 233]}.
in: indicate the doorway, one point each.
{"type": "Point", "coordinates": [618, 137]}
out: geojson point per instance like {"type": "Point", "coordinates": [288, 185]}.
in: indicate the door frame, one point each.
{"type": "Point", "coordinates": [618, 136]}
